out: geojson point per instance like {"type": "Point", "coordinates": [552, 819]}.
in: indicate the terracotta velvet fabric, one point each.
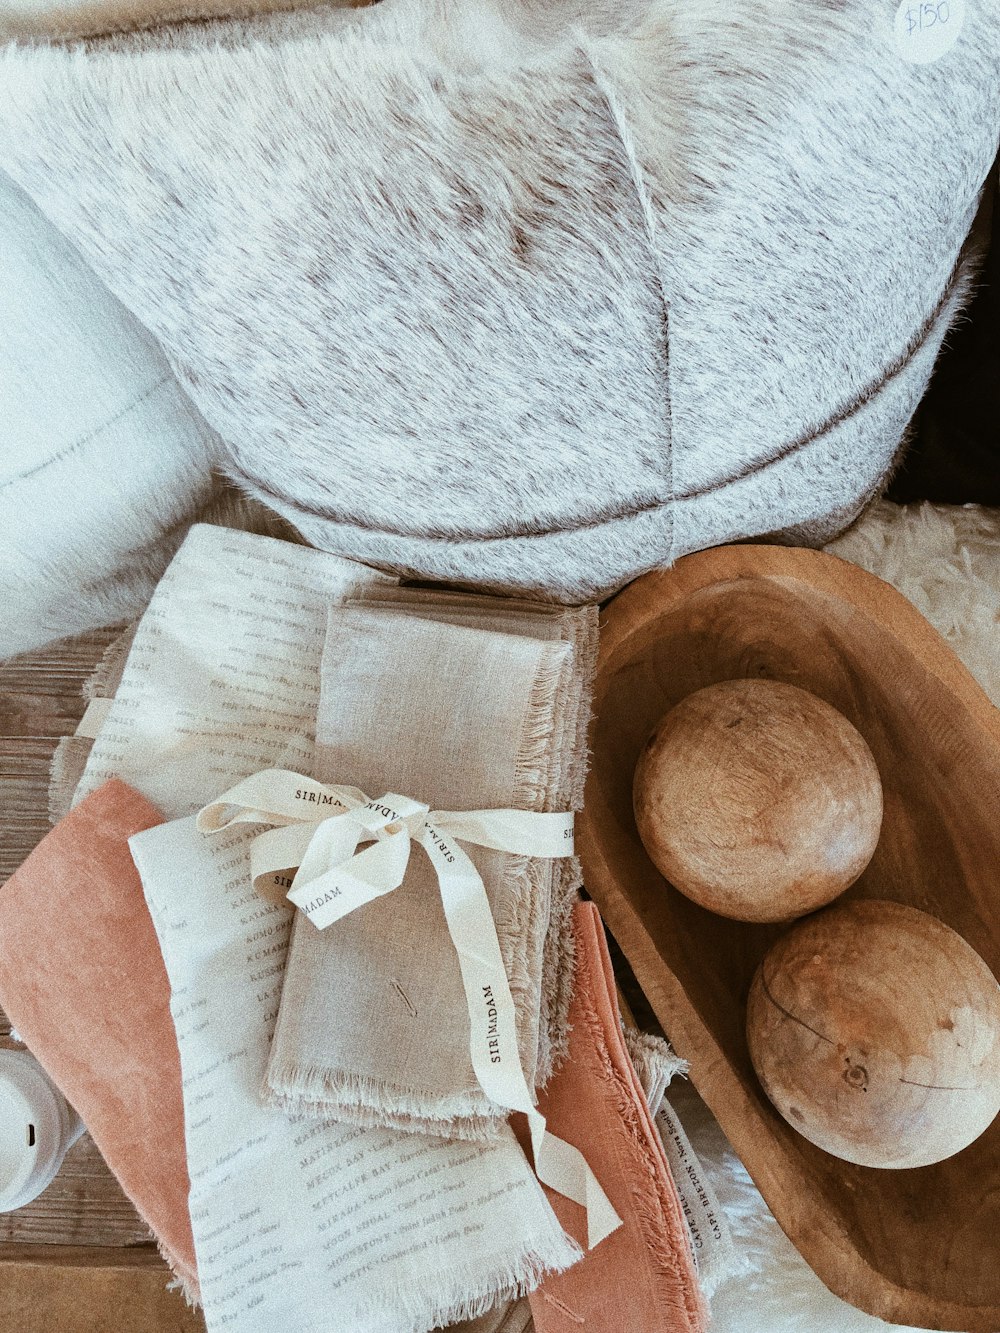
{"type": "Point", "coordinates": [83, 982]}
{"type": "Point", "coordinates": [641, 1278]}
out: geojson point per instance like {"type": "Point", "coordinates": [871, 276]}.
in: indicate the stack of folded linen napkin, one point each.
{"type": "Point", "coordinates": [347, 1163]}
{"type": "Point", "coordinates": [224, 679]}
{"type": "Point", "coordinates": [320, 1224]}
{"type": "Point", "coordinates": [642, 1278]}
{"type": "Point", "coordinates": [465, 703]}
{"type": "Point", "coordinates": [296, 1248]}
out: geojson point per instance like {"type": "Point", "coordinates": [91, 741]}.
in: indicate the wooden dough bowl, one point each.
{"type": "Point", "coordinates": [920, 1246]}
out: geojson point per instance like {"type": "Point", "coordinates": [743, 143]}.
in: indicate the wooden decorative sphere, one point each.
{"type": "Point", "coordinates": [757, 800]}
{"type": "Point", "coordinates": [875, 1031]}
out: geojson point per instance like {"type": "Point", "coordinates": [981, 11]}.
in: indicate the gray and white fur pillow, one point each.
{"type": "Point", "coordinates": [530, 298]}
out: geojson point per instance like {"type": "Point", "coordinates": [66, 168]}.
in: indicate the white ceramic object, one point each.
{"type": "Point", "coordinates": [37, 1128]}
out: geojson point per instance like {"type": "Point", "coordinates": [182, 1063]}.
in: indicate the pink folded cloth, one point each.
{"type": "Point", "coordinates": [641, 1278]}
{"type": "Point", "coordinates": [83, 982]}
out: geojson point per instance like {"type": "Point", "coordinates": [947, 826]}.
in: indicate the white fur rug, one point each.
{"type": "Point", "coordinates": [946, 560]}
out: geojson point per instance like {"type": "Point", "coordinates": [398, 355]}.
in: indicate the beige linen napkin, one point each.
{"type": "Point", "coordinates": [373, 1024]}
{"type": "Point", "coordinates": [555, 883]}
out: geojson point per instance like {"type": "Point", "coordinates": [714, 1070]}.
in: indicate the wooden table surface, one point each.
{"type": "Point", "coordinates": [78, 1258]}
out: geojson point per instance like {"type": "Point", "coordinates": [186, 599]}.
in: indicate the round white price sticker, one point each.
{"type": "Point", "coordinates": [925, 31]}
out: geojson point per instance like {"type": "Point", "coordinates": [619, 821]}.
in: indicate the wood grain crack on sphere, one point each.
{"type": "Point", "coordinates": [875, 1030]}
{"type": "Point", "coordinates": [758, 800]}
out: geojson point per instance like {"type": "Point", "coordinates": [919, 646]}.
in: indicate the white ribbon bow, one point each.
{"type": "Point", "coordinates": [318, 829]}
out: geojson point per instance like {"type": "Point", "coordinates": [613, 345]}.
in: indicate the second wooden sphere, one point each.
{"type": "Point", "coordinates": [875, 1030]}
{"type": "Point", "coordinates": [758, 800]}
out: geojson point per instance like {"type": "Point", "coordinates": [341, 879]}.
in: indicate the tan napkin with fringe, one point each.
{"type": "Point", "coordinates": [559, 880]}
{"type": "Point", "coordinates": [374, 1025]}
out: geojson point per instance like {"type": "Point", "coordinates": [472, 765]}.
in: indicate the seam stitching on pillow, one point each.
{"type": "Point", "coordinates": [85, 439]}
{"type": "Point", "coordinates": [625, 138]}
{"type": "Point", "coordinates": [836, 419]}
{"type": "Point", "coordinates": [860, 400]}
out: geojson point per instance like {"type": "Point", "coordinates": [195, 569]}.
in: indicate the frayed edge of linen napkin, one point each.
{"type": "Point", "coordinates": [559, 949]}
{"type": "Point", "coordinates": [183, 1281]}
{"type": "Point", "coordinates": [655, 1064]}
{"type": "Point", "coordinates": [454, 1291]}
{"type": "Point", "coordinates": [313, 1092]}
{"type": "Point", "coordinates": [69, 758]}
